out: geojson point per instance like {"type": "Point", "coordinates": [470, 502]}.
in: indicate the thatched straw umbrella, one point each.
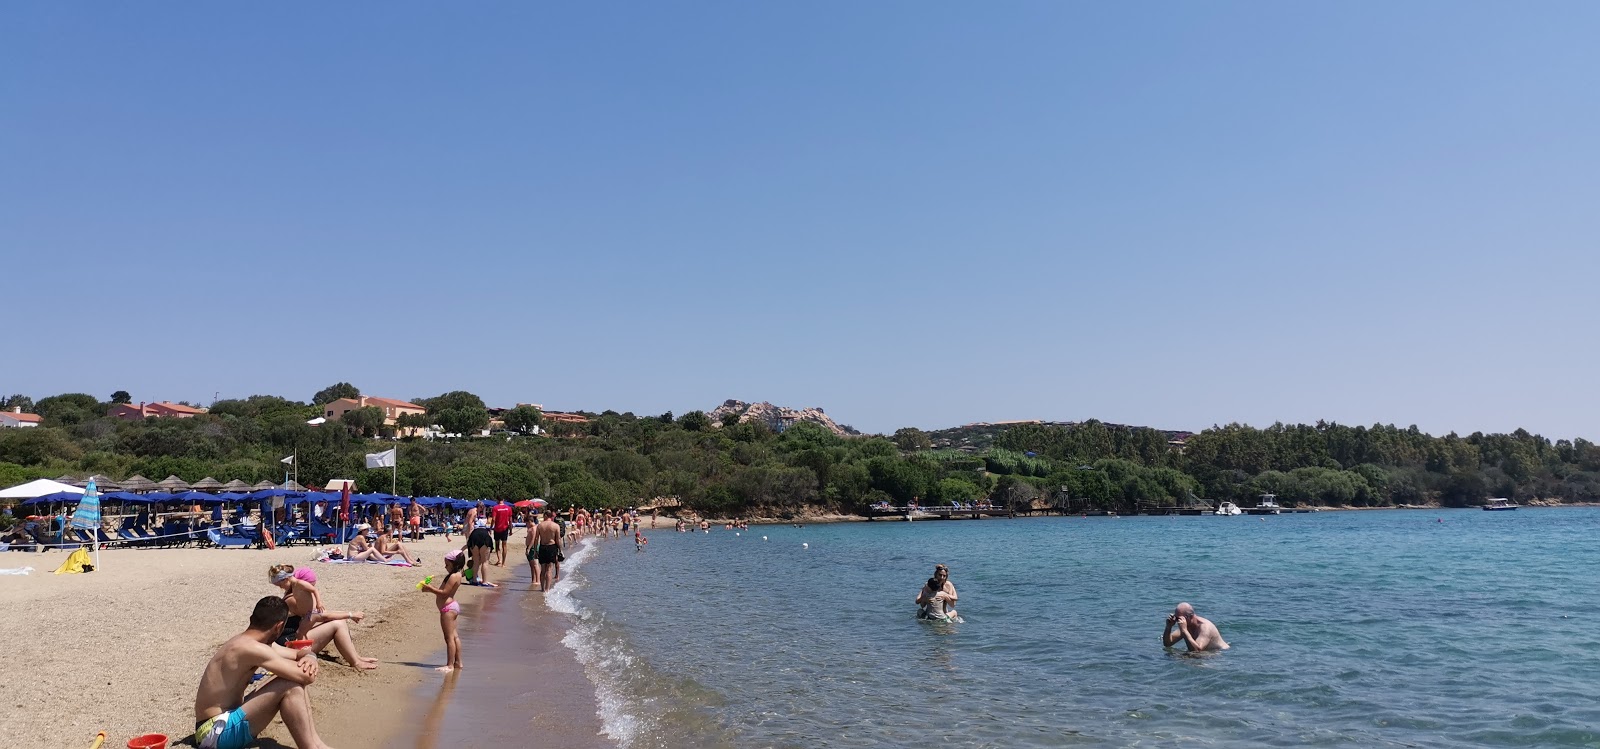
{"type": "Point", "coordinates": [173, 484]}
{"type": "Point", "coordinates": [137, 483]}
{"type": "Point", "coordinates": [236, 486]}
{"type": "Point", "coordinates": [100, 482]}
{"type": "Point", "coordinates": [206, 484]}
{"type": "Point", "coordinates": [294, 486]}
{"type": "Point", "coordinates": [263, 484]}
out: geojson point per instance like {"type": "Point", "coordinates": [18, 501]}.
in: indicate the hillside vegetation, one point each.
{"type": "Point", "coordinates": [732, 468]}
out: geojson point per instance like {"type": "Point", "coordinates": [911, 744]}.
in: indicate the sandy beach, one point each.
{"type": "Point", "coordinates": [121, 649]}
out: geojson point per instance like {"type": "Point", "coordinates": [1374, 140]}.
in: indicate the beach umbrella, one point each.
{"type": "Point", "coordinates": [126, 497]}
{"type": "Point", "coordinates": [37, 488]}
{"type": "Point", "coordinates": [101, 483]}
{"type": "Point", "coordinates": [206, 484]}
{"type": "Point", "coordinates": [137, 483]}
{"type": "Point", "coordinates": [294, 486]}
{"type": "Point", "coordinates": [87, 516]}
{"type": "Point", "coordinates": [236, 486]}
{"type": "Point", "coordinates": [71, 496]}
{"type": "Point", "coordinates": [344, 504]}
{"type": "Point", "coordinates": [173, 484]}
{"type": "Point", "coordinates": [526, 503]}
{"type": "Point", "coordinates": [199, 498]}
{"type": "Point", "coordinates": [263, 484]}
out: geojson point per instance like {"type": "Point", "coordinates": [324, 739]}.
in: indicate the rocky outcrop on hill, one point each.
{"type": "Point", "coordinates": [776, 418]}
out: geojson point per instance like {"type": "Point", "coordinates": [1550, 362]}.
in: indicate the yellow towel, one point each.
{"type": "Point", "coordinates": [77, 561]}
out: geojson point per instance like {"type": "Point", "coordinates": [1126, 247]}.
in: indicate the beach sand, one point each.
{"type": "Point", "coordinates": [121, 649]}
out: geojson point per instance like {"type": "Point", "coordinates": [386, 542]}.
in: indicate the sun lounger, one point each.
{"type": "Point", "coordinates": [223, 540]}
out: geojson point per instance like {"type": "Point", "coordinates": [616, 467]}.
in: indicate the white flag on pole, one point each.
{"type": "Point", "coordinates": [288, 461]}
{"type": "Point", "coordinates": [384, 459]}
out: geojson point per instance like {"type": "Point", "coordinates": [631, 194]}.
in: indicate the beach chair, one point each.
{"type": "Point", "coordinates": [223, 541]}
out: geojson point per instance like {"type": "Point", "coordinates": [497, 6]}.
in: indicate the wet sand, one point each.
{"type": "Point", "coordinates": [519, 685]}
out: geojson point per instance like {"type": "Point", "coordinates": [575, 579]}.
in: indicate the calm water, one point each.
{"type": "Point", "coordinates": [1348, 629]}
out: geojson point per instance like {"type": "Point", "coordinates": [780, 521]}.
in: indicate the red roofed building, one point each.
{"type": "Point", "coordinates": [16, 418]}
{"type": "Point", "coordinates": [159, 409]}
{"type": "Point", "coordinates": [392, 409]}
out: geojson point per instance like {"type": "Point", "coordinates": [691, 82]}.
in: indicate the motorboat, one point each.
{"type": "Point", "coordinates": [1267, 505]}
{"type": "Point", "coordinates": [1229, 509]}
{"type": "Point", "coordinates": [1499, 503]}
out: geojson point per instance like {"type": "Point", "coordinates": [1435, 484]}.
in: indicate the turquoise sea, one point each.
{"type": "Point", "coordinates": [1444, 628]}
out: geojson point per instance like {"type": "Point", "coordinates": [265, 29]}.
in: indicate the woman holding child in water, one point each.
{"type": "Point", "coordinates": [444, 597]}
{"type": "Point", "coordinates": [937, 599]}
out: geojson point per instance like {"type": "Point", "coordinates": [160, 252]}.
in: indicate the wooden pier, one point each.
{"type": "Point", "coordinates": [937, 513]}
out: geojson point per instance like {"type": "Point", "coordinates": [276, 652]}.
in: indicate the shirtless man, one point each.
{"type": "Point", "coordinates": [224, 717]}
{"type": "Point", "coordinates": [1197, 632]}
{"type": "Point", "coordinates": [548, 538]}
{"type": "Point", "coordinates": [389, 546]}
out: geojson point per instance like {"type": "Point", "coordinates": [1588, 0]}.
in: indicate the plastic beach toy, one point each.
{"type": "Point", "coordinates": [148, 741]}
{"type": "Point", "coordinates": [425, 581]}
{"type": "Point", "coordinates": [298, 644]}
{"type": "Point", "coordinates": [99, 740]}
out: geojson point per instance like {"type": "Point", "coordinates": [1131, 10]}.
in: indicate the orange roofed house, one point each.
{"type": "Point", "coordinates": [160, 409]}
{"type": "Point", "coordinates": [392, 409]}
{"type": "Point", "coordinates": [16, 418]}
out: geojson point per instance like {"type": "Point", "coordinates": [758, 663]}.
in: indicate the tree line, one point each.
{"type": "Point", "coordinates": [731, 468]}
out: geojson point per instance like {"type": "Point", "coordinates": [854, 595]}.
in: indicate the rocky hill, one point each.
{"type": "Point", "coordinates": [777, 418]}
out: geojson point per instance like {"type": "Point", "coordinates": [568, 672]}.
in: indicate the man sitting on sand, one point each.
{"type": "Point", "coordinates": [224, 717]}
{"type": "Point", "coordinates": [1197, 632]}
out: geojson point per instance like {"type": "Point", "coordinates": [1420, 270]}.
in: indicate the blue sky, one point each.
{"type": "Point", "coordinates": [917, 214]}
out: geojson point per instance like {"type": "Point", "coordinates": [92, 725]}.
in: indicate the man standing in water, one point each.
{"type": "Point", "coordinates": [224, 717]}
{"type": "Point", "coordinates": [1197, 632]}
{"type": "Point", "coordinates": [548, 538]}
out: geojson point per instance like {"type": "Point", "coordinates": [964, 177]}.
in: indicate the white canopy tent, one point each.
{"type": "Point", "coordinates": [38, 488]}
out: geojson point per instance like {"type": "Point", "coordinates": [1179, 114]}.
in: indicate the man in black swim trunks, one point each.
{"type": "Point", "coordinates": [548, 538]}
{"type": "Point", "coordinates": [478, 545]}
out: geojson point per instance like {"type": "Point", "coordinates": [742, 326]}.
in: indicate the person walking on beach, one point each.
{"type": "Point", "coordinates": [1196, 632]}
{"type": "Point", "coordinates": [530, 546]}
{"type": "Point", "coordinates": [444, 598]}
{"type": "Point", "coordinates": [502, 531]}
{"type": "Point", "coordinates": [547, 539]}
{"type": "Point", "coordinates": [937, 599]}
{"type": "Point", "coordinates": [224, 718]}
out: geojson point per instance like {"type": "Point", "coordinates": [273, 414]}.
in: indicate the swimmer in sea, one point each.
{"type": "Point", "coordinates": [937, 598]}
{"type": "Point", "coordinates": [1197, 632]}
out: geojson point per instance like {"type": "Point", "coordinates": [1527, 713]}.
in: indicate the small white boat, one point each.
{"type": "Point", "coordinates": [1499, 503]}
{"type": "Point", "coordinates": [1267, 505]}
{"type": "Point", "coordinates": [1229, 509]}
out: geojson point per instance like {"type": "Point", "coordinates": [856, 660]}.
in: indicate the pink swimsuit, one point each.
{"type": "Point", "coordinates": [451, 608]}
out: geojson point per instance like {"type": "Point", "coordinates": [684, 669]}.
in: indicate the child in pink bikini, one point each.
{"type": "Point", "coordinates": [444, 597]}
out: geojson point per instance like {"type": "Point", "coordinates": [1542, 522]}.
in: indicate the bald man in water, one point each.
{"type": "Point", "coordinates": [1197, 632]}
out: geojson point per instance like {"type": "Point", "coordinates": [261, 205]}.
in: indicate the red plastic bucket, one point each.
{"type": "Point", "coordinates": [148, 741]}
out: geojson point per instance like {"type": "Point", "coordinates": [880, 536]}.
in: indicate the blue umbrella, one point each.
{"type": "Point", "coordinates": [68, 497]}
{"type": "Point", "coordinates": [200, 497]}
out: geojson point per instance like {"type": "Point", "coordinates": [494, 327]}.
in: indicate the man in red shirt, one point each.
{"type": "Point", "coordinates": [502, 531]}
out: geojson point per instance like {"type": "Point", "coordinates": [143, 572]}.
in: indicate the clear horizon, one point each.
{"type": "Point", "coordinates": [906, 214]}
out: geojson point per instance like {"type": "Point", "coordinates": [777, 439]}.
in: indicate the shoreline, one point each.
{"type": "Point", "coordinates": [519, 683]}
{"type": "Point", "coordinates": [121, 649]}
{"type": "Point", "coordinates": [828, 518]}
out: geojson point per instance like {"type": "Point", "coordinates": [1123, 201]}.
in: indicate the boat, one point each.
{"type": "Point", "coordinates": [1267, 505]}
{"type": "Point", "coordinates": [1229, 509]}
{"type": "Point", "coordinates": [1499, 503]}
